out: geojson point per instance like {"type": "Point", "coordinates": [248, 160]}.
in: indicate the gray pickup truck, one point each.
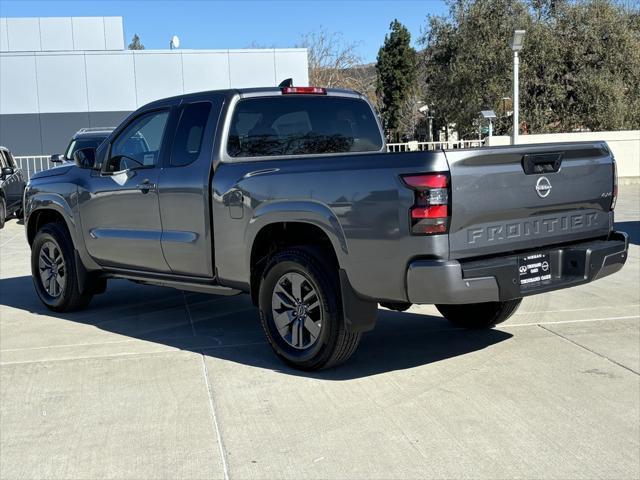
{"type": "Point", "coordinates": [288, 194]}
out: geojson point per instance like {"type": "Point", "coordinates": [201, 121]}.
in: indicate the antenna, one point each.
{"type": "Point", "coordinates": [286, 83]}
{"type": "Point", "coordinates": [174, 43]}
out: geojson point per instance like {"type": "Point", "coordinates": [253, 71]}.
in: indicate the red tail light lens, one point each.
{"type": "Point", "coordinates": [430, 212]}
{"type": "Point", "coordinates": [422, 182]}
{"type": "Point", "coordinates": [304, 90]}
{"type": "Point", "coordinates": [436, 211]}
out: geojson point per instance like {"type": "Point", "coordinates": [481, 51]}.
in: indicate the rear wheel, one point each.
{"type": "Point", "coordinates": [301, 310]}
{"type": "Point", "coordinates": [479, 315]}
{"type": "Point", "coordinates": [54, 271]}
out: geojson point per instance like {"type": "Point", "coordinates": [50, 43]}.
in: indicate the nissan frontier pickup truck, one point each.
{"type": "Point", "coordinates": [289, 195]}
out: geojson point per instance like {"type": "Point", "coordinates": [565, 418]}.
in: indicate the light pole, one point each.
{"type": "Point", "coordinates": [516, 46]}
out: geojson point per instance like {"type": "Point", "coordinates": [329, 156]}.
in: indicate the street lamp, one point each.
{"type": "Point", "coordinates": [516, 46]}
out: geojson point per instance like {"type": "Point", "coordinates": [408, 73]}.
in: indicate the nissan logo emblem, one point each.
{"type": "Point", "coordinates": [543, 187]}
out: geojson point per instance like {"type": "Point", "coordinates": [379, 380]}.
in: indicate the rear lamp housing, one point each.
{"type": "Point", "coordinates": [429, 214]}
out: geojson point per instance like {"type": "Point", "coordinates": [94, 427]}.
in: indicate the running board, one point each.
{"type": "Point", "coordinates": [189, 284]}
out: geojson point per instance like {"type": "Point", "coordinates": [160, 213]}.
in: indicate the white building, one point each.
{"type": "Point", "coordinates": [58, 75]}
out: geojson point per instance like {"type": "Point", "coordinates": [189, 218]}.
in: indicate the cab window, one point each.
{"type": "Point", "coordinates": [302, 125]}
{"type": "Point", "coordinates": [138, 145]}
{"type": "Point", "coordinates": [189, 133]}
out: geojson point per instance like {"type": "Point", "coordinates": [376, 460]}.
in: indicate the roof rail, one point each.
{"type": "Point", "coordinates": [95, 129]}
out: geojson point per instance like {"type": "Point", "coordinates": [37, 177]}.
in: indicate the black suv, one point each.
{"type": "Point", "coordinates": [83, 138]}
{"type": "Point", "coordinates": [11, 186]}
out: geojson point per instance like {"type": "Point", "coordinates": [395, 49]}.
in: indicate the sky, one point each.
{"type": "Point", "coordinates": [241, 24]}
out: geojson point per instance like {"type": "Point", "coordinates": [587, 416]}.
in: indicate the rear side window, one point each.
{"type": "Point", "coordinates": [188, 140]}
{"type": "Point", "coordinates": [299, 125]}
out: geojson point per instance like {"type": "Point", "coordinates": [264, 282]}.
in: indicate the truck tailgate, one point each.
{"type": "Point", "coordinates": [506, 199]}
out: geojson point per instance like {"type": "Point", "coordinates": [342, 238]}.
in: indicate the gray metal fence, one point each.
{"type": "Point", "coordinates": [33, 164]}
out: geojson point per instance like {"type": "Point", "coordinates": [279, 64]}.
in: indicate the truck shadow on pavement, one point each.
{"type": "Point", "coordinates": [228, 328]}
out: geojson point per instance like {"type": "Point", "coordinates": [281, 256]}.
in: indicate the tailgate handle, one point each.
{"type": "Point", "coordinates": [533, 163]}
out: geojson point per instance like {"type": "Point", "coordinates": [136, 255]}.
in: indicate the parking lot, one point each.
{"type": "Point", "coordinates": [155, 383]}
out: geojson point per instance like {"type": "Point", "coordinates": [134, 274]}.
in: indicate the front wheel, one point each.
{"type": "Point", "coordinates": [301, 310]}
{"type": "Point", "coordinates": [479, 315]}
{"type": "Point", "coordinates": [54, 271]}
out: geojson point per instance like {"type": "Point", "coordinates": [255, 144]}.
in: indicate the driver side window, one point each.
{"type": "Point", "coordinates": [138, 146]}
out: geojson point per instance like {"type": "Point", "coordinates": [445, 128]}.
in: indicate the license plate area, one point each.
{"type": "Point", "coordinates": [534, 269]}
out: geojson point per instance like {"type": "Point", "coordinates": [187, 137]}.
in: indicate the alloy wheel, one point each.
{"type": "Point", "coordinates": [52, 269]}
{"type": "Point", "coordinates": [295, 305]}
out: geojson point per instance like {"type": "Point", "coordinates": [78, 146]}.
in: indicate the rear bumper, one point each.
{"type": "Point", "coordinates": [497, 278]}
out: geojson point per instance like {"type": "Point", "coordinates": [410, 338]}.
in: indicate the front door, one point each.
{"type": "Point", "coordinates": [121, 216]}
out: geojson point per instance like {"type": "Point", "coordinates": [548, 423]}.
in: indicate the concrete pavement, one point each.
{"type": "Point", "coordinates": [155, 383]}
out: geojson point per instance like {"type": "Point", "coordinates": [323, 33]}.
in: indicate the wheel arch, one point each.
{"type": "Point", "coordinates": [53, 212]}
{"type": "Point", "coordinates": [276, 236]}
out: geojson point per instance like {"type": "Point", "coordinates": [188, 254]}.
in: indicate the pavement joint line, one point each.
{"type": "Point", "coordinates": [588, 349]}
{"type": "Point", "coordinates": [199, 350]}
{"type": "Point", "coordinates": [577, 309]}
{"type": "Point", "coordinates": [94, 357]}
{"type": "Point", "coordinates": [7, 242]}
{"type": "Point", "coordinates": [581, 320]}
{"type": "Point", "coordinates": [214, 416]}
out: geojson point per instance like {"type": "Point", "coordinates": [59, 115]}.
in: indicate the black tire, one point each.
{"type": "Point", "coordinates": [333, 344]}
{"type": "Point", "coordinates": [479, 315]}
{"type": "Point", "coordinates": [3, 211]}
{"type": "Point", "coordinates": [68, 297]}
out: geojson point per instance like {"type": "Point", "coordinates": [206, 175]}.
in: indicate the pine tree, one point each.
{"type": "Point", "coordinates": [396, 82]}
{"type": "Point", "coordinates": [135, 44]}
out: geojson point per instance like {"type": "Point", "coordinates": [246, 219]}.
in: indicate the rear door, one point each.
{"type": "Point", "coordinates": [185, 208]}
{"type": "Point", "coordinates": [516, 198]}
{"type": "Point", "coordinates": [121, 216]}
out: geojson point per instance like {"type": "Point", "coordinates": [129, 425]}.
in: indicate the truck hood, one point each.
{"type": "Point", "coordinates": [53, 172]}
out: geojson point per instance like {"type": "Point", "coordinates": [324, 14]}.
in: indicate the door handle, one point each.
{"type": "Point", "coordinates": [146, 186]}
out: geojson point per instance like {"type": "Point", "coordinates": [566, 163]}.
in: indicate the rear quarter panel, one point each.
{"type": "Point", "coordinates": [358, 200]}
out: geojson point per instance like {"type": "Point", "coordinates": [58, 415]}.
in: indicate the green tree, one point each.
{"type": "Point", "coordinates": [580, 65]}
{"type": "Point", "coordinates": [135, 44]}
{"type": "Point", "coordinates": [396, 78]}
{"type": "Point", "coordinates": [467, 60]}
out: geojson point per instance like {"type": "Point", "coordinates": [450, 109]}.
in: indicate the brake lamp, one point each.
{"type": "Point", "coordinates": [304, 90]}
{"type": "Point", "coordinates": [429, 214]}
{"type": "Point", "coordinates": [615, 185]}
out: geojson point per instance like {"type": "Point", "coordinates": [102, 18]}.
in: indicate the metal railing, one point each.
{"type": "Point", "coordinates": [33, 164]}
{"type": "Point", "coordinates": [424, 146]}
{"type": "Point", "coordinates": [36, 163]}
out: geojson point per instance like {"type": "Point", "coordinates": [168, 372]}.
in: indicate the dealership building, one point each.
{"type": "Point", "coordinates": [60, 74]}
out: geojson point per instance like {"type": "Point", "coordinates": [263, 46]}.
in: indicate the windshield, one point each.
{"type": "Point", "coordinates": [79, 143]}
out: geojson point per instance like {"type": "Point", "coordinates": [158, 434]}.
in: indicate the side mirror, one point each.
{"type": "Point", "coordinates": [6, 171]}
{"type": "Point", "coordinates": [85, 157]}
{"type": "Point", "coordinates": [57, 158]}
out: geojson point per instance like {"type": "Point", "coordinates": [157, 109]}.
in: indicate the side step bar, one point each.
{"type": "Point", "coordinates": [190, 284]}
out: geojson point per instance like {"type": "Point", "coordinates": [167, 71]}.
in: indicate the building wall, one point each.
{"type": "Point", "coordinates": [44, 34]}
{"type": "Point", "coordinates": [58, 75]}
{"type": "Point", "coordinates": [624, 144]}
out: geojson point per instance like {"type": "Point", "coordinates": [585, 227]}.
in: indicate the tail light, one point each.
{"type": "Point", "coordinates": [429, 214]}
{"type": "Point", "coordinates": [615, 185]}
{"type": "Point", "coordinates": [304, 90]}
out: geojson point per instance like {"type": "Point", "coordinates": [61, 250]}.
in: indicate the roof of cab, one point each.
{"type": "Point", "coordinates": [229, 92]}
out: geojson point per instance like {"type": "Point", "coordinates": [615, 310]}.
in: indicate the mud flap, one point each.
{"type": "Point", "coordinates": [359, 314]}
